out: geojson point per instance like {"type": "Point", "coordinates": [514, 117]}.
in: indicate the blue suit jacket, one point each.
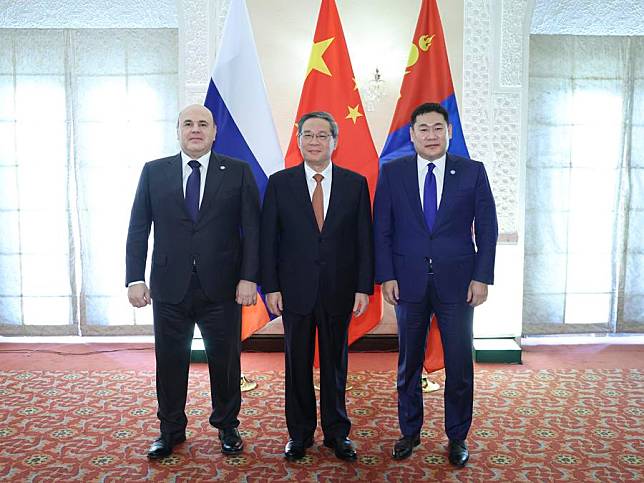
{"type": "Point", "coordinates": [458, 254]}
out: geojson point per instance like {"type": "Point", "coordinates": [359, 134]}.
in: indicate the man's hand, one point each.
{"type": "Point", "coordinates": [476, 293]}
{"type": "Point", "coordinates": [390, 291]}
{"type": "Point", "coordinates": [274, 302]}
{"type": "Point", "coordinates": [246, 293]}
{"type": "Point", "coordinates": [139, 295]}
{"type": "Point", "coordinates": [360, 304]}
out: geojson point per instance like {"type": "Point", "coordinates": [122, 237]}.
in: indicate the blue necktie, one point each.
{"type": "Point", "coordinates": [429, 197]}
{"type": "Point", "coordinates": [193, 187]}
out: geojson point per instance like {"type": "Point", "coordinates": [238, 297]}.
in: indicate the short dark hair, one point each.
{"type": "Point", "coordinates": [319, 115]}
{"type": "Point", "coordinates": [429, 107]}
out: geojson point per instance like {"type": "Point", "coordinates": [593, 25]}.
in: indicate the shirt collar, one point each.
{"type": "Point", "coordinates": [310, 172]}
{"type": "Point", "coordinates": [204, 160]}
{"type": "Point", "coordinates": [439, 163]}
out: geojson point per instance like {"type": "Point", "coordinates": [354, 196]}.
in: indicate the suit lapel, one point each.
{"type": "Point", "coordinates": [335, 200]}
{"type": "Point", "coordinates": [299, 186]}
{"type": "Point", "coordinates": [410, 181]}
{"type": "Point", "coordinates": [217, 169]}
{"type": "Point", "coordinates": [450, 185]}
{"type": "Point", "coordinates": [174, 175]}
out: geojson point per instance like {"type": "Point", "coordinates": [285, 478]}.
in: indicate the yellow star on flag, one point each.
{"type": "Point", "coordinates": [316, 62]}
{"type": "Point", "coordinates": [354, 113]}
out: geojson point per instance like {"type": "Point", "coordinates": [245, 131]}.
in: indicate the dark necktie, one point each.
{"type": "Point", "coordinates": [193, 187]}
{"type": "Point", "coordinates": [429, 197]}
{"type": "Point", "coordinates": [318, 201]}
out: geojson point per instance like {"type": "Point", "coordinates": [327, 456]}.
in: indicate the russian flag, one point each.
{"type": "Point", "coordinates": [427, 79]}
{"type": "Point", "coordinates": [237, 99]}
{"type": "Point", "coordinates": [245, 128]}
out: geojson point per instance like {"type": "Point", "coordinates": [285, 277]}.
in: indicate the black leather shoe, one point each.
{"type": "Point", "coordinates": [162, 446]}
{"type": "Point", "coordinates": [458, 453]}
{"type": "Point", "coordinates": [296, 450]}
{"type": "Point", "coordinates": [404, 447]}
{"type": "Point", "coordinates": [231, 441]}
{"type": "Point", "coordinates": [343, 447]}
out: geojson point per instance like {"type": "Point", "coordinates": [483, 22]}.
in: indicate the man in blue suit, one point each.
{"type": "Point", "coordinates": [435, 242]}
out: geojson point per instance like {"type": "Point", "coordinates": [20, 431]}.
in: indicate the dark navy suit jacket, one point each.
{"type": "Point", "coordinates": [305, 264]}
{"type": "Point", "coordinates": [404, 247]}
{"type": "Point", "coordinates": [224, 242]}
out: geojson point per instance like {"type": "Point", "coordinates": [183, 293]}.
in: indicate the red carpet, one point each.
{"type": "Point", "coordinates": [530, 425]}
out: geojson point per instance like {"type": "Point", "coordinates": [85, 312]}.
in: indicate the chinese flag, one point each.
{"type": "Point", "coordinates": [330, 86]}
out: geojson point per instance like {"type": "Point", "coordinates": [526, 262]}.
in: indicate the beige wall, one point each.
{"type": "Point", "coordinates": [378, 34]}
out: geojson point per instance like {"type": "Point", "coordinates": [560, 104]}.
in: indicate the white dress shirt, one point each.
{"type": "Point", "coordinates": [326, 183]}
{"type": "Point", "coordinates": [439, 173]}
{"type": "Point", "coordinates": [204, 160]}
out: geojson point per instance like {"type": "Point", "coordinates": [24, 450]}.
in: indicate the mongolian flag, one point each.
{"type": "Point", "coordinates": [330, 86]}
{"type": "Point", "coordinates": [427, 79]}
{"type": "Point", "coordinates": [245, 129]}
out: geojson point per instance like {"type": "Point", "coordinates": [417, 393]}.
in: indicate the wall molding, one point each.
{"type": "Point", "coordinates": [493, 100]}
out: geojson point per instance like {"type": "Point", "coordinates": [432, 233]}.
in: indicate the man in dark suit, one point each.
{"type": "Point", "coordinates": [205, 265]}
{"type": "Point", "coordinates": [435, 240]}
{"type": "Point", "coordinates": [317, 270]}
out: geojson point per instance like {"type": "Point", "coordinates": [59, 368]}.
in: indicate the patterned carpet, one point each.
{"type": "Point", "coordinates": [547, 425]}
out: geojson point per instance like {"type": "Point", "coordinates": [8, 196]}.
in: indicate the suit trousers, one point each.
{"type": "Point", "coordinates": [299, 351]}
{"type": "Point", "coordinates": [455, 323]}
{"type": "Point", "coordinates": [220, 326]}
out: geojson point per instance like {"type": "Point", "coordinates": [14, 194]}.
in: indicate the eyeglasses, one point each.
{"type": "Point", "coordinates": [309, 136]}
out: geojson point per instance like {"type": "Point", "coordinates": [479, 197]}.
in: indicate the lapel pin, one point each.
{"type": "Point", "coordinates": [222, 167]}
{"type": "Point", "coordinates": [452, 172]}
